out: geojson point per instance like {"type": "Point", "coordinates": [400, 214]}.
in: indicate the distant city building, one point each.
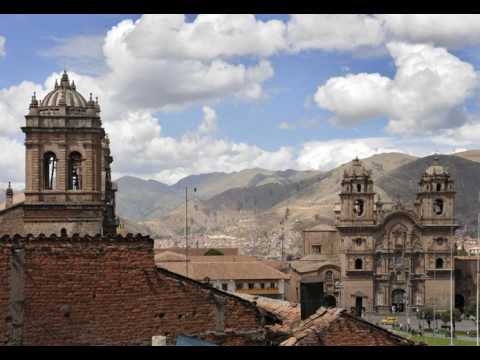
{"type": "Point", "coordinates": [68, 187]}
{"type": "Point", "coordinates": [235, 274]}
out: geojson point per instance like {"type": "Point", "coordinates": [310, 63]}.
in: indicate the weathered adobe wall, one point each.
{"type": "Point", "coordinates": [101, 292]}
{"type": "Point", "coordinates": [359, 334]}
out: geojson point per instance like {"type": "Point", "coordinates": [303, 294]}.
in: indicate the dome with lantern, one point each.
{"type": "Point", "coordinates": [356, 169]}
{"type": "Point", "coordinates": [64, 96]}
{"type": "Point", "coordinates": [436, 169]}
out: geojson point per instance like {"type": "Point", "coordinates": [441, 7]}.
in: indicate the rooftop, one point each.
{"type": "Point", "coordinates": [223, 270]}
{"type": "Point", "coordinates": [197, 251]}
{"type": "Point", "coordinates": [313, 331]}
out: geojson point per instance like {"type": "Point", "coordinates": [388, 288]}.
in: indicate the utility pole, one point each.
{"type": "Point", "coordinates": [434, 306]}
{"type": "Point", "coordinates": [186, 231]}
{"type": "Point", "coordinates": [451, 284]}
{"type": "Point", "coordinates": [478, 268]}
{"type": "Point", "coordinates": [407, 271]}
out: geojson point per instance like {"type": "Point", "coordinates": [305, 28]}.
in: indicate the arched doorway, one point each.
{"type": "Point", "coordinates": [398, 300]}
{"type": "Point", "coordinates": [459, 302]}
{"type": "Point", "coordinates": [330, 301]}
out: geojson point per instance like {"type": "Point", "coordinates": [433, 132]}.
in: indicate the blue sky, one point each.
{"type": "Point", "coordinates": [194, 94]}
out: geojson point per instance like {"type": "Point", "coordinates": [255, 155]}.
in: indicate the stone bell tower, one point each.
{"type": "Point", "coordinates": [357, 196]}
{"type": "Point", "coordinates": [66, 165]}
{"type": "Point", "coordinates": [436, 196]}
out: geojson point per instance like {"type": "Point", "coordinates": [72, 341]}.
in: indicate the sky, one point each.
{"type": "Point", "coordinates": [191, 94]}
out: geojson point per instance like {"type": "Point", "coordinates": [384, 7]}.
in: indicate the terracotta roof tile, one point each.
{"type": "Point", "coordinates": [225, 270]}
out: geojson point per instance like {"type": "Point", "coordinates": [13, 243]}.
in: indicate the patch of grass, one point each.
{"type": "Point", "coordinates": [436, 341]}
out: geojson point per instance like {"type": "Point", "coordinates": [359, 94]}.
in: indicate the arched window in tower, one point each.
{"type": "Point", "coordinates": [358, 264]}
{"type": "Point", "coordinates": [359, 187]}
{"type": "Point", "coordinates": [439, 187]}
{"type": "Point", "coordinates": [358, 242]}
{"type": "Point", "coordinates": [74, 171]}
{"type": "Point", "coordinates": [49, 170]}
{"type": "Point", "coordinates": [438, 207]}
{"type": "Point", "coordinates": [358, 207]}
{"type": "Point", "coordinates": [439, 263]}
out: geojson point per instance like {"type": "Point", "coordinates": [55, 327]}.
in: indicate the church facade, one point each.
{"type": "Point", "coordinates": [68, 187]}
{"type": "Point", "coordinates": [398, 257]}
{"type": "Point", "coordinates": [386, 256]}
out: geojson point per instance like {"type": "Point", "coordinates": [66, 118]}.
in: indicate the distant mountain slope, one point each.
{"type": "Point", "coordinates": [137, 199]}
{"type": "Point", "coordinates": [212, 184]}
{"type": "Point", "coordinates": [403, 182]}
{"type": "Point", "coordinates": [308, 198]}
{"type": "Point", "coordinates": [473, 155]}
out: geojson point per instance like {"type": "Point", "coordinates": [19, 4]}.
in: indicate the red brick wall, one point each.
{"type": "Point", "coordinates": [110, 293]}
{"type": "Point", "coordinates": [4, 292]}
{"type": "Point", "coordinates": [346, 331]}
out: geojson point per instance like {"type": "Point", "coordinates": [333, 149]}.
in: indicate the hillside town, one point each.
{"type": "Point", "coordinates": [382, 249]}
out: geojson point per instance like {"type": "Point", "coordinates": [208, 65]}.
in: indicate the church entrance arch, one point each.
{"type": "Point", "coordinates": [398, 300]}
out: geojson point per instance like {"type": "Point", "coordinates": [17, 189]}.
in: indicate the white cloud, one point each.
{"type": "Point", "coordinates": [209, 122]}
{"type": "Point", "coordinates": [2, 46]}
{"type": "Point", "coordinates": [209, 36]}
{"type": "Point", "coordinates": [12, 162]}
{"type": "Point", "coordinates": [348, 32]}
{"type": "Point", "coordinates": [333, 32]}
{"type": "Point", "coordinates": [140, 148]}
{"type": "Point", "coordinates": [427, 93]}
{"type": "Point", "coordinates": [450, 30]}
{"type": "Point", "coordinates": [354, 97]}
{"type": "Point", "coordinates": [326, 155]}
{"type": "Point", "coordinates": [155, 82]}
{"type": "Point", "coordinates": [14, 103]}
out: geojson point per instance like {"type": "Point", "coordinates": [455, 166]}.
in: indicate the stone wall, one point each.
{"type": "Point", "coordinates": [328, 240]}
{"type": "Point", "coordinates": [107, 291]}
{"type": "Point", "coordinates": [11, 220]}
{"type": "Point", "coordinates": [81, 228]}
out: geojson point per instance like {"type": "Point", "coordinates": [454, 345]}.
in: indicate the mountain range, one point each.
{"type": "Point", "coordinates": [257, 209]}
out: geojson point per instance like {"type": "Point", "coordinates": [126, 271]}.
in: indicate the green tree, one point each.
{"type": "Point", "coordinates": [445, 317]}
{"type": "Point", "coordinates": [426, 314]}
{"type": "Point", "coordinates": [471, 312]}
